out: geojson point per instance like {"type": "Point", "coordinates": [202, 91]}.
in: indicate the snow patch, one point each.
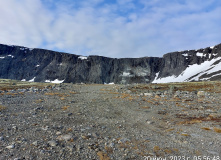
{"type": "Point", "coordinates": [10, 56]}
{"type": "Point", "coordinates": [185, 54]}
{"type": "Point", "coordinates": [2, 57]}
{"type": "Point", "coordinates": [165, 80]}
{"type": "Point", "coordinates": [11, 45]}
{"type": "Point", "coordinates": [212, 47]}
{"type": "Point", "coordinates": [23, 80]}
{"type": "Point", "coordinates": [57, 81]}
{"type": "Point", "coordinates": [82, 57]}
{"type": "Point", "coordinates": [112, 83]}
{"type": "Point", "coordinates": [157, 74]}
{"type": "Point", "coordinates": [126, 74]}
{"type": "Point", "coordinates": [24, 48]}
{"type": "Point", "coordinates": [199, 54]}
{"type": "Point", "coordinates": [54, 81]}
{"type": "Point", "coordinates": [32, 80]}
{"type": "Point", "coordinates": [37, 65]}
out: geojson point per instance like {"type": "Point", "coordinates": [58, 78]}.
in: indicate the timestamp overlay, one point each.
{"type": "Point", "coordinates": [183, 158]}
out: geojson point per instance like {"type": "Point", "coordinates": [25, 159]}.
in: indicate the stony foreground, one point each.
{"type": "Point", "coordinates": [119, 122]}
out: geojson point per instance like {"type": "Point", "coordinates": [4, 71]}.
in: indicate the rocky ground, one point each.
{"type": "Point", "coordinates": [119, 122]}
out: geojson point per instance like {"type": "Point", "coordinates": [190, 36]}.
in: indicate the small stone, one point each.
{"type": "Point", "coordinates": [163, 112]}
{"type": "Point", "coordinates": [165, 92]}
{"type": "Point", "coordinates": [86, 137]}
{"type": "Point", "coordinates": [128, 91]}
{"type": "Point", "coordinates": [96, 135]}
{"type": "Point", "coordinates": [52, 143]}
{"type": "Point", "coordinates": [35, 143]}
{"type": "Point", "coordinates": [201, 93]}
{"type": "Point", "coordinates": [58, 133]}
{"type": "Point", "coordinates": [65, 137]}
{"type": "Point", "coordinates": [148, 94]}
{"type": "Point", "coordinates": [79, 148]}
{"type": "Point", "coordinates": [18, 141]}
{"type": "Point", "coordinates": [147, 139]}
{"type": "Point", "coordinates": [45, 128]}
{"type": "Point", "coordinates": [158, 93]}
{"type": "Point", "coordinates": [210, 143]}
{"type": "Point", "coordinates": [149, 122]}
{"type": "Point", "coordinates": [71, 147]}
{"type": "Point", "coordinates": [112, 145]}
{"type": "Point", "coordinates": [14, 127]}
{"type": "Point", "coordinates": [123, 140]}
{"type": "Point", "coordinates": [82, 129]}
{"type": "Point", "coordinates": [1, 138]}
{"type": "Point", "coordinates": [87, 128]}
{"type": "Point", "coordinates": [213, 153]}
{"type": "Point", "coordinates": [10, 146]}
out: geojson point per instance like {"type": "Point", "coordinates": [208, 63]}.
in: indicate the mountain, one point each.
{"type": "Point", "coordinates": [41, 65]}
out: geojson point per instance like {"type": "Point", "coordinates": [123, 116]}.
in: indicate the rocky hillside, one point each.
{"type": "Point", "coordinates": [41, 65]}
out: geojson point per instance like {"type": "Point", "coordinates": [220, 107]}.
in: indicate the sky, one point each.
{"type": "Point", "coordinates": [111, 28]}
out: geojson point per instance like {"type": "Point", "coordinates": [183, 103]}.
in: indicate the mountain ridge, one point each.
{"type": "Point", "coordinates": [41, 65]}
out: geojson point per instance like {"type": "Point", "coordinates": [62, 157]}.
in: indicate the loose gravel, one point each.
{"type": "Point", "coordinates": [119, 122]}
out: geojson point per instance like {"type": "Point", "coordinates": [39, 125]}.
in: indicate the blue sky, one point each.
{"type": "Point", "coordinates": [111, 28]}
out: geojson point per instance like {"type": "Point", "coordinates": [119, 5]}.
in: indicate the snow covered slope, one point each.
{"type": "Point", "coordinates": [207, 68]}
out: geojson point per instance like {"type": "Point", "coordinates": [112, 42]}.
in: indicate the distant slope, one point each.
{"type": "Point", "coordinates": [41, 65]}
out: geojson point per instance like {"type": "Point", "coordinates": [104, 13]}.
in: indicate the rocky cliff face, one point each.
{"type": "Point", "coordinates": [40, 65]}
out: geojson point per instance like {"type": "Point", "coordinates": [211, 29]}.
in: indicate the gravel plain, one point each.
{"type": "Point", "coordinates": [104, 122]}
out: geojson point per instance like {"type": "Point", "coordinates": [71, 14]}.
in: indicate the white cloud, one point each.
{"type": "Point", "coordinates": [122, 29]}
{"type": "Point", "coordinates": [23, 22]}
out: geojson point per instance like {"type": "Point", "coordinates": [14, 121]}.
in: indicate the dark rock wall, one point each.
{"type": "Point", "coordinates": [23, 63]}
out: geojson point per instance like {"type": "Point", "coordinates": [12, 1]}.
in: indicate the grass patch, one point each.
{"type": "Point", "coordinates": [71, 92]}
{"type": "Point", "coordinates": [205, 128]}
{"type": "Point", "coordinates": [185, 134]}
{"type": "Point", "coordinates": [218, 130]}
{"type": "Point", "coordinates": [65, 107]}
{"type": "Point", "coordinates": [39, 100]}
{"type": "Point", "coordinates": [156, 148]}
{"type": "Point", "coordinates": [145, 107]}
{"type": "Point", "coordinates": [2, 108]}
{"type": "Point", "coordinates": [9, 84]}
{"type": "Point", "coordinates": [103, 155]}
{"type": "Point", "coordinates": [208, 86]}
{"type": "Point", "coordinates": [169, 130]}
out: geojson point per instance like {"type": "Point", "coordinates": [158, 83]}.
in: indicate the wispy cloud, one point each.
{"type": "Point", "coordinates": [121, 28]}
